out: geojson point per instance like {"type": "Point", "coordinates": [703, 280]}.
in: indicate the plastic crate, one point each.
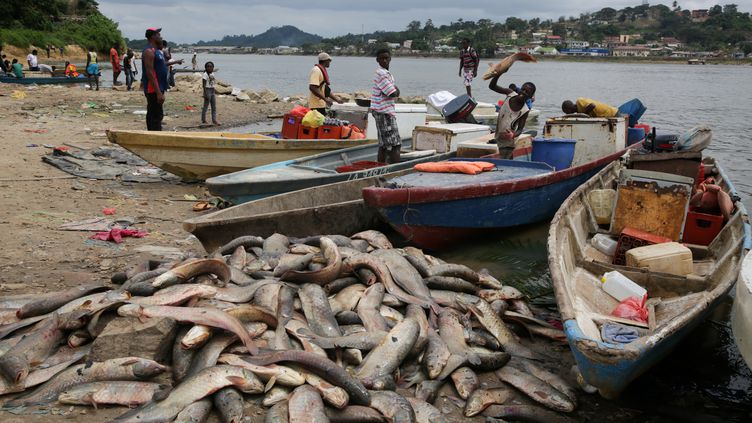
{"type": "Point", "coordinates": [290, 126]}
{"type": "Point", "coordinates": [307, 133]}
{"type": "Point", "coordinates": [633, 238]}
{"type": "Point", "coordinates": [701, 228]}
{"type": "Point", "coordinates": [330, 132]}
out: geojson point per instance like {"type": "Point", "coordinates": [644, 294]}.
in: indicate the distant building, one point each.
{"type": "Point", "coordinates": [578, 44]}
{"type": "Point", "coordinates": [631, 51]}
{"type": "Point", "coordinates": [546, 51]}
{"type": "Point", "coordinates": [445, 48]}
{"type": "Point", "coordinates": [554, 40]}
{"type": "Point", "coordinates": [671, 42]}
{"type": "Point", "coordinates": [700, 15]}
{"type": "Point", "coordinates": [393, 46]}
{"type": "Point", "coordinates": [584, 51]}
{"type": "Point", "coordinates": [408, 44]}
{"type": "Point", "coordinates": [372, 41]}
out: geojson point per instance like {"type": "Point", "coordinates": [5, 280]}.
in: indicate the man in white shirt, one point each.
{"type": "Point", "coordinates": [33, 61]}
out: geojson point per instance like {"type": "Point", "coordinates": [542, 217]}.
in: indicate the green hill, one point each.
{"type": "Point", "coordinates": [273, 37]}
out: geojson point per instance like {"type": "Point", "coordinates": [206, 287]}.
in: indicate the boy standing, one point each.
{"type": "Point", "coordinates": [208, 81]}
{"type": "Point", "coordinates": [469, 61]}
{"type": "Point", "coordinates": [382, 108]}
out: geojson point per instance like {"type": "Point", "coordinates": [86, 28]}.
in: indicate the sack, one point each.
{"type": "Point", "coordinates": [632, 308]}
{"type": "Point", "coordinates": [313, 119]}
{"type": "Point", "coordinates": [299, 111]}
{"type": "Point", "coordinates": [696, 139]}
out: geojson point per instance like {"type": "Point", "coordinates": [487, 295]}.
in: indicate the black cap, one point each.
{"type": "Point", "coordinates": [152, 31]}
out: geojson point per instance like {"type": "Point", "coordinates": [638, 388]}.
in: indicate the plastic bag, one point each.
{"type": "Point", "coordinates": [313, 119]}
{"type": "Point", "coordinates": [299, 111]}
{"type": "Point", "coordinates": [632, 308]}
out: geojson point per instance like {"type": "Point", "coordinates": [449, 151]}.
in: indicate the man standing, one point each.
{"type": "Point", "coordinates": [194, 61]}
{"type": "Point", "coordinates": [382, 108]}
{"type": "Point", "coordinates": [154, 79]}
{"type": "Point", "coordinates": [320, 93]}
{"type": "Point", "coordinates": [115, 61]}
{"type": "Point", "coordinates": [128, 68]}
{"type": "Point", "coordinates": [512, 115]}
{"type": "Point", "coordinates": [32, 60]}
{"type": "Point", "coordinates": [469, 61]}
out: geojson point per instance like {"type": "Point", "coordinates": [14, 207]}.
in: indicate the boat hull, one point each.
{"type": "Point", "coordinates": [200, 155]}
{"type": "Point", "coordinates": [741, 312]}
{"type": "Point", "coordinates": [42, 80]}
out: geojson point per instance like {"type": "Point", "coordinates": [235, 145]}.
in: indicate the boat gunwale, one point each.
{"type": "Point", "coordinates": [202, 140]}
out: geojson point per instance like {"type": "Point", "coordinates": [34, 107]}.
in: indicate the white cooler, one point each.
{"type": "Point", "coordinates": [408, 117]}
{"type": "Point", "coordinates": [446, 137]}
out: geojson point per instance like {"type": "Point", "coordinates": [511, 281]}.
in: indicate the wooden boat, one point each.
{"type": "Point", "coordinates": [741, 313]}
{"type": "Point", "coordinates": [201, 155]}
{"type": "Point", "coordinates": [319, 169]}
{"type": "Point", "coordinates": [336, 208]}
{"type": "Point", "coordinates": [676, 304]}
{"type": "Point", "coordinates": [42, 80]}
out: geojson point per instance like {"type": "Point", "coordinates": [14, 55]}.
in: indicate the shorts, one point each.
{"type": "Point", "coordinates": [386, 126]}
{"type": "Point", "coordinates": [92, 69]}
{"type": "Point", "coordinates": [468, 76]}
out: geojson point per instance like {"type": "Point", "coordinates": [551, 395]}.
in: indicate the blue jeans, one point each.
{"type": "Point", "coordinates": [128, 77]}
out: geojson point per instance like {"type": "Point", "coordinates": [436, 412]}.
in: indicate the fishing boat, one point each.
{"type": "Point", "coordinates": [332, 208]}
{"type": "Point", "coordinates": [320, 169]}
{"type": "Point", "coordinates": [741, 313]}
{"type": "Point", "coordinates": [424, 207]}
{"type": "Point", "coordinates": [200, 155]}
{"type": "Point", "coordinates": [677, 301]}
{"type": "Point", "coordinates": [41, 80]}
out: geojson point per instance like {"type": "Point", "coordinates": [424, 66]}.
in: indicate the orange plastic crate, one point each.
{"type": "Point", "coordinates": [329, 132]}
{"type": "Point", "coordinates": [701, 228]}
{"type": "Point", "coordinates": [290, 126]}
{"type": "Point", "coordinates": [307, 133]}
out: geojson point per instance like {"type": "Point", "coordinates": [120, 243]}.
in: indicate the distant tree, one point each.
{"type": "Point", "coordinates": [559, 30]}
{"type": "Point", "coordinates": [515, 24]}
{"type": "Point", "coordinates": [715, 10]}
{"type": "Point", "coordinates": [413, 26]}
{"type": "Point", "coordinates": [429, 27]}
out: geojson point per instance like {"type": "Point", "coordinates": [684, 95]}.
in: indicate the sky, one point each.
{"type": "Point", "coordinates": [187, 21]}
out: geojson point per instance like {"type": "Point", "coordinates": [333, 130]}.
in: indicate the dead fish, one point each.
{"type": "Point", "coordinates": [274, 246]}
{"type": "Point", "coordinates": [418, 260]}
{"type": "Point", "coordinates": [375, 238]}
{"type": "Point", "coordinates": [317, 310]}
{"type": "Point", "coordinates": [189, 270]}
{"type": "Point", "coordinates": [404, 274]}
{"type": "Point", "coordinates": [322, 367]}
{"type": "Point", "coordinates": [506, 63]}
{"type": "Point", "coordinates": [337, 285]}
{"type": "Point", "coordinates": [491, 321]}
{"type": "Point", "coordinates": [333, 395]}
{"type": "Point", "coordinates": [177, 294]}
{"type": "Point", "coordinates": [281, 374]}
{"type": "Point", "coordinates": [452, 332]}
{"type": "Point", "coordinates": [361, 341]}
{"type": "Point", "coordinates": [419, 315]}
{"type": "Point", "coordinates": [465, 381]}
{"type": "Point", "coordinates": [347, 299]}
{"type": "Point", "coordinates": [181, 357]}
{"type": "Point", "coordinates": [384, 276]}
{"type": "Point", "coordinates": [428, 389]}
{"type": "Point", "coordinates": [126, 368]}
{"type": "Point", "coordinates": [193, 389]}
{"type": "Point", "coordinates": [538, 390]}
{"type": "Point", "coordinates": [368, 308]}
{"type": "Point", "coordinates": [194, 338]}
{"type": "Point", "coordinates": [391, 315]}
{"type": "Point", "coordinates": [31, 350]}
{"type": "Point", "coordinates": [278, 413]}
{"type": "Point", "coordinates": [552, 379]}
{"type": "Point", "coordinates": [285, 310]}
{"type": "Point", "coordinates": [40, 375]}
{"type": "Point", "coordinates": [79, 338]}
{"type": "Point", "coordinates": [292, 262]}
{"type": "Point", "coordinates": [455, 270]}
{"type": "Point", "coordinates": [366, 276]}
{"type": "Point", "coordinates": [129, 394]}
{"type": "Point", "coordinates": [354, 414]}
{"type": "Point", "coordinates": [451, 298]}
{"type": "Point", "coordinates": [93, 303]}
{"type": "Point", "coordinates": [527, 413]}
{"type": "Point", "coordinates": [296, 328]}
{"type": "Point", "coordinates": [305, 406]}
{"type": "Point", "coordinates": [229, 404]}
{"type": "Point", "coordinates": [303, 249]}
{"type": "Point", "coordinates": [487, 281]}
{"type": "Point", "coordinates": [482, 338]}
{"type": "Point", "coordinates": [360, 245]}
{"type": "Point", "coordinates": [198, 412]}
{"type": "Point", "coordinates": [436, 355]}
{"type": "Point", "coordinates": [141, 279]}
{"type": "Point", "coordinates": [204, 316]}
{"type": "Point", "coordinates": [48, 302]}
{"type": "Point", "coordinates": [239, 258]}
{"type": "Point", "coordinates": [481, 399]}
{"type": "Point", "coordinates": [451, 284]}
{"type": "Point", "coordinates": [209, 354]}
{"type": "Point", "coordinates": [384, 359]}
{"type": "Point", "coordinates": [505, 293]}
{"type": "Point", "coordinates": [393, 406]}
{"type": "Point", "coordinates": [323, 276]}
{"type": "Point", "coordinates": [244, 241]}
{"type": "Point", "coordinates": [276, 394]}
{"type": "Point", "coordinates": [425, 412]}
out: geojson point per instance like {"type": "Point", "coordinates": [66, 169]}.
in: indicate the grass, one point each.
{"type": "Point", "coordinates": [96, 31]}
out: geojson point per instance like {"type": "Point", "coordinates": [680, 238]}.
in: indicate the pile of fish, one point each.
{"type": "Point", "coordinates": [317, 329]}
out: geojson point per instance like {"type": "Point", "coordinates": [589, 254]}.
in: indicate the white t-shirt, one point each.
{"type": "Point", "coordinates": [210, 79]}
{"type": "Point", "coordinates": [45, 68]}
{"type": "Point", "coordinates": [32, 60]}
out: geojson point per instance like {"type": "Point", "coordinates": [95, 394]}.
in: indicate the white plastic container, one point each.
{"type": "Point", "coordinates": [602, 203]}
{"type": "Point", "coordinates": [621, 287]}
{"type": "Point", "coordinates": [668, 257]}
{"type": "Point", "coordinates": [604, 243]}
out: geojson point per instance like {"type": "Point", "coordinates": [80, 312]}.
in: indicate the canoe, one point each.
{"type": "Point", "coordinates": [319, 169]}
{"type": "Point", "coordinates": [200, 155]}
{"type": "Point", "coordinates": [42, 80]}
{"type": "Point", "coordinates": [741, 312]}
{"type": "Point", "coordinates": [676, 304]}
{"type": "Point", "coordinates": [336, 208]}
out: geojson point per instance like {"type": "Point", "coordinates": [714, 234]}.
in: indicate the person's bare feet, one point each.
{"type": "Point", "coordinates": [216, 123]}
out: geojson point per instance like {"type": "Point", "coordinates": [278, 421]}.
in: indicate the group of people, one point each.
{"type": "Point", "coordinates": [15, 68]}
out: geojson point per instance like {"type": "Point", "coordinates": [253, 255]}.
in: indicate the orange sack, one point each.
{"type": "Point", "coordinates": [470, 168]}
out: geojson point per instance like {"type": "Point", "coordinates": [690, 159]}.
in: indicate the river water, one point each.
{"type": "Point", "coordinates": [704, 379]}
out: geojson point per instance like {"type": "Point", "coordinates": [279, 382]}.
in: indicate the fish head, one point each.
{"type": "Point", "coordinates": [145, 368]}
{"type": "Point", "coordinates": [249, 383]}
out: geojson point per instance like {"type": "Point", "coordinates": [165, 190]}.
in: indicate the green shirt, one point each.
{"type": "Point", "coordinates": [18, 70]}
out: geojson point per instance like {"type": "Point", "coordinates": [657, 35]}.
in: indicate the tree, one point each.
{"type": "Point", "coordinates": [515, 24]}
{"type": "Point", "coordinates": [429, 27]}
{"type": "Point", "coordinates": [413, 26]}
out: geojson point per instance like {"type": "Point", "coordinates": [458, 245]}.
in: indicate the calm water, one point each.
{"type": "Point", "coordinates": [705, 378]}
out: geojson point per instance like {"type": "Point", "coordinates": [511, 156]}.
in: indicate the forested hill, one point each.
{"type": "Point", "coordinates": [273, 37]}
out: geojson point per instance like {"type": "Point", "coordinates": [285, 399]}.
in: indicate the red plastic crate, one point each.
{"type": "Point", "coordinates": [290, 126]}
{"type": "Point", "coordinates": [307, 133]}
{"type": "Point", "coordinates": [633, 238]}
{"type": "Point", "coordinates": [701, 228]}
{"type": "Point", "coordinates": [330, 132]}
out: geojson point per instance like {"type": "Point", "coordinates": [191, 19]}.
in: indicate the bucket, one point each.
{"type": "Point", "coordinates": [635, 135]}
{"type": "Point", "coordinates": [557, 152]}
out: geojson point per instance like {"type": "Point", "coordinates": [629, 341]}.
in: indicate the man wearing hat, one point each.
{"type": "Point", "coordinates": [320, 94]}
{"type": "Point", "coordinates": [154, 79]}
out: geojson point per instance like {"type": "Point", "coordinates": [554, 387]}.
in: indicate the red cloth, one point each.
{"type": "Point", "coordinates": [470, 168]}
{"type": "Point", "coordinates": [116, 235]}
{"type": "Point", "coordinates": [109, 211]}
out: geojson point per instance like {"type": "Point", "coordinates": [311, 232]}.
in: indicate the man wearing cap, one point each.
{"type": "Point", "coordinates": [320, 93]}
{"type": "Point", "coordinates": [154, 79]}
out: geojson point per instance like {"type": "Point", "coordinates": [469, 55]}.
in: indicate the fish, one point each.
{"type": "Point", "coordinates": [38, 376]}
{"type": "Point", "coordinates": [129, 394]}
{"type": "Point", "coordinates": [229, 404]}
{"type": "Point", "coordinates": [292, 262]}
{"type": "Point", "coordinates": [205, 316]}
{"type": "Point", "coordinates": [281, 374]}
{"type": "Point", "coordinates": [491, 321]}
{"type": "Point", "coordinates": [192, 389]}
{"type": "Point", "coordinates": [339, 284]}
{"type": "Point", "coordinates": [451, 284]}
{"type": "Point", "coordinates": [305, 406]}
{"type": "Point", "coordinates": [505, 293]}
{"type": "Point", "coordinates": [416, 313]}
{"type": "Point", "coordinates": [393, 406]}
{"type": "Point", "coordinates": [176, 294]}
{"type": "Point", "coordinates": [552, 379]}
{"type": "Point", "coordinates": [455, 270]}
{"type": "Point", "coordinates": [436, 355]}
{"type": "Point", "coordinates": [197, 412]}
{"type": "Point", "coordinates": [536, 389]}
{"type": "Point", "coordinates": [465, 381]}
{"type": "Point", "coordinates": [285, 310]}
{"type": "Point", "coordinates": [93, 303]}
{"type": "Point", "coordinates": [278, 413]}
{"type": "Point", "coordinates": [31, 350]}
{"type": "Point", "coordinates": [275, 394]}
{"type": "Point", "coordinates": [384, 359]}
{"type": "Point", "coordinates": [384, 276]}
{"type": "Point", "coordinates": [427, 390]}
{"type": "Point", "coordinates": [404, 274]}
{"type": "Point", "coordinates": [425, 412]}
{"type": "Point", "coordinates": [368, 308]}
{"type": "Point", "coordinates": [78, 338]}
{"type": "Point", "coordinates": [49, 302]}
{"type": "Point", "coordinates": [333, 395]}
{"type": "Point", "coordinates": [361, 341]}
{"type": "Point", "coordinates": [330, 272]}
{"type": "Point", "coordinates": [185, 272]}
{"type": "Point", "coordinates": [528, 413]}
{"type": "Point", "coordinates": [374, 238]}
{"type": "Point", "coordinates": [506, 63]}
{"type": "Point", "coordinates": [209, 354]}
{"type": "Point", "coordinates": [346, 299]}
{"type": "Point", "coordinates": [243, 241]}
{"type": "Point", "coordinates": [317, 311]}
{"type": "Point", "coordinates": [125, 368]}
{"type": "Point", "coordinates": [354, 414]}
{"type": "Point", "coordinates": [452, 332]}
{"type": "Point", "coordinates": [181, 357]}
{"type": "Point", "coordinates": [418, 260]}
{"type": "Point", "coordinates": [481, 399]}
{"type": "Point", "coordinates": [195, 337]}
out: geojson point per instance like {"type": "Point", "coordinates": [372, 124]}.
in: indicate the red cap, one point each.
{"type": "Point", "coordinates": [152, 31]}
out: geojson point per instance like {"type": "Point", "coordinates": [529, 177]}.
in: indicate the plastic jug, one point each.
{"type": "Point", "coordinates": [604, 243]}
{"type": "Point", "coordinates": [602, 203]}
{"type": "Point", "coordinates": [621, 287]}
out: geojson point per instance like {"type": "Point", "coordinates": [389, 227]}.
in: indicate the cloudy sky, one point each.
{"type": "Point", "coordinates": [187, 21]}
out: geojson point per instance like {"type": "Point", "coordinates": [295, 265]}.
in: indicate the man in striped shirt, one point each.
{"type": "Point", "coordinates": [382, 108]}
{"type": "Point", "coordinates": [469, 61]}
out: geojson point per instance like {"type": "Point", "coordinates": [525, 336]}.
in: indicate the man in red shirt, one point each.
{"type": "Point", "coordinates": [115, 60]}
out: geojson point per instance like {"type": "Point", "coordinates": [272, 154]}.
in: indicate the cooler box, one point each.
{"type": "Point", "coordinates": [670, 257]}
{"type": "Point", "coordinates": [596, 137]}
{"type": "Point", "coordinates": [447, 136]}
{"type": "Point", "coordinates": [307, 133]}
{"type": "Point", "coordinates": [701, 228]}
{"type": "Point", "coordinates": [408, 117]}
{"type": "Point", "coordinates": [477, 147]}
{"type": "Point", "coordinates": [557, 152]}
{"type": "Point", "coordinates": [459, 108]}
{"type": "Point", "coordinates": [290, 126]}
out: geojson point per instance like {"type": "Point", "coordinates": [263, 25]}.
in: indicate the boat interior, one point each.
{"type": "Point", "coordinates": [328, 163]}
{"type": "Point", "coordinates": [673, 299]}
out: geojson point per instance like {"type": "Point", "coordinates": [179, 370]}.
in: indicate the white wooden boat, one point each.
{"type": "Point", "coordinates": [741, 313]}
